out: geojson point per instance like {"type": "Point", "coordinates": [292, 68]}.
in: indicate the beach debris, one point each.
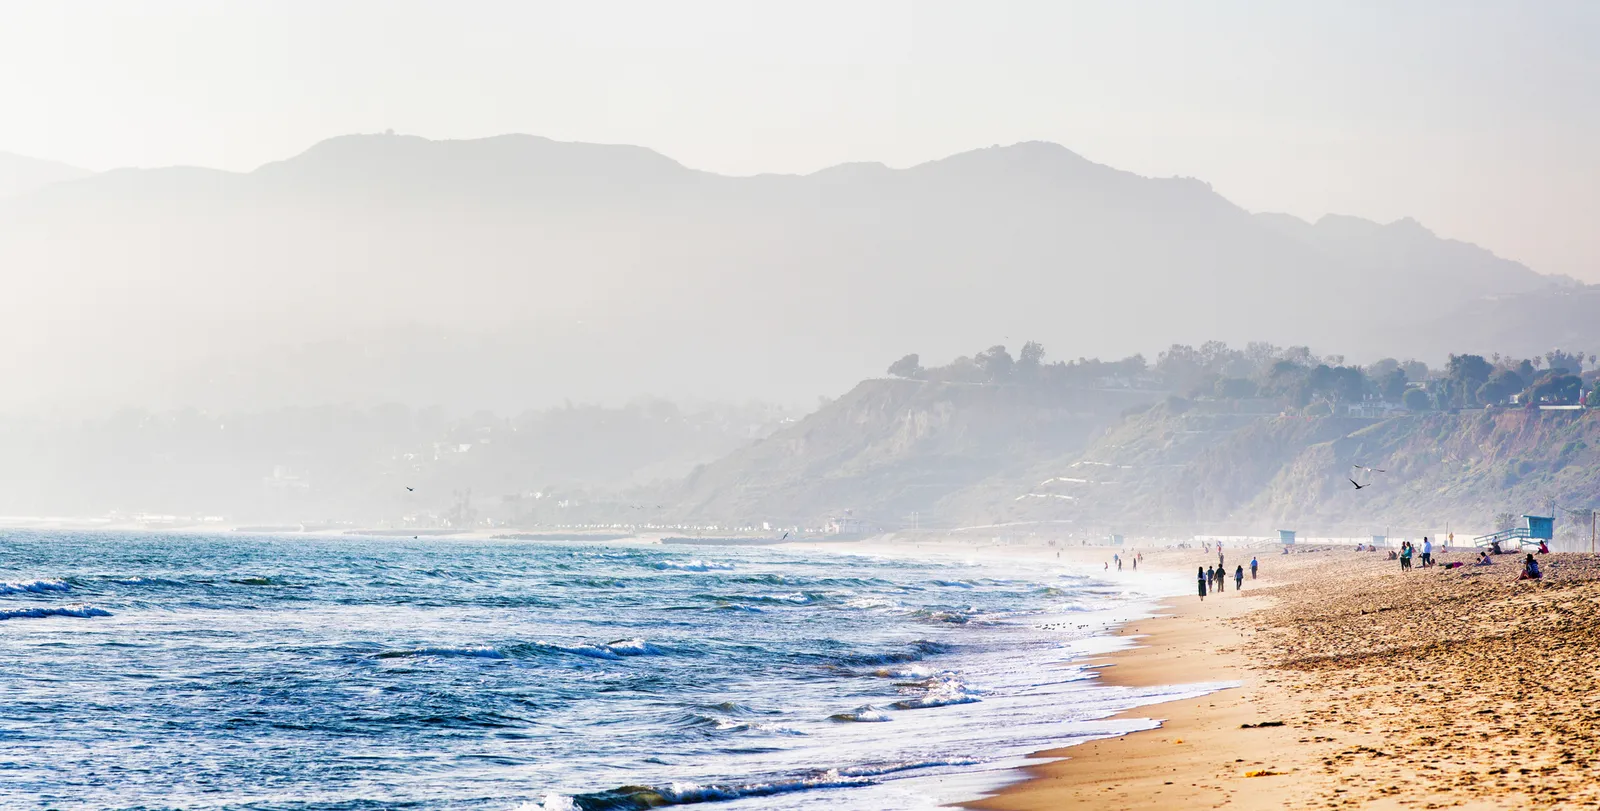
{"type": "Point", "coordinates": [1261, 773]}
{"type": "Point", "coordinates": [1261, 725]}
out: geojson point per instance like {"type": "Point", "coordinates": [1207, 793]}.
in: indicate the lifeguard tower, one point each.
{"type": "Point", "coordinates": [1286, 537]}
{"type": "Point", "coordinates": [1534, 528]}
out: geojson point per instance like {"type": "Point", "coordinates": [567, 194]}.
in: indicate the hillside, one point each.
{"type": "Point", "coordinates": [898, 453]}
{"type": "Point", "coordinates": [518, 271]}
{"type": "Point", "coordinates": [891, 448]}
{"type": "Point", "coordinates": [1178, 469]}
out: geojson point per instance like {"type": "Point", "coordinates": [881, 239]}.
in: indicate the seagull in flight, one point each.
{"type": "Point", "coordinates": [1368, 469]}
{"type": "Point", "coordinates": [1359, 486]}
{"type": "Point", "coordinates": [411, 490]}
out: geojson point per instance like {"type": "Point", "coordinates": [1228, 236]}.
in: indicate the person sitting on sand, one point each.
{"type": "Point", "coordinates": [1484, 559]}
{"type": "Point", "coordinates": [1201, 579]}
{"type": "Point", "coordinates": [1530, 570]}
{"type": "Point", "coordinates": [1494, 548]}
{"type": "Point", "coordinates": [1544, 548]}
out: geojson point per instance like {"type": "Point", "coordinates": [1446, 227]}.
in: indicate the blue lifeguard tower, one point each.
{"type": "Point", "coordinates": [1535, 528]}
{"type": "Point", "coordinates": [1286, 537]}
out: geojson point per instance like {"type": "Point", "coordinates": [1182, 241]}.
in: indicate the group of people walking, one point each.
{"type": "Point", "coordinates": [1407, 551]}
{"type": "Point", "coordinates": [1215, 578]}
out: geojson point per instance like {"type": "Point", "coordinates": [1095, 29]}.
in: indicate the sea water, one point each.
{"type": "Point", "coordinates": [180, 671]}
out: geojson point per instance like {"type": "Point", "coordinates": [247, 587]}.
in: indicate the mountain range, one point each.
{"type": "Point", "coordinates": [20, 175]}
{"type": "Point", "coordinates": [516, 270]}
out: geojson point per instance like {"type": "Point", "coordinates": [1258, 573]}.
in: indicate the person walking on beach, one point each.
{"type": "Point", "coordinates": [1252, 567]}
{"type": "Point", "coordinates": [1201, 578]}
{"type": "Point", "coordinates": [1427, 552]}
{"type": "Point", "coordinates": [1238, 579]}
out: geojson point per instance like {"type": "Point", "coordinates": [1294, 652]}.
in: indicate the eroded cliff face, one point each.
{"type": "Point", "coordinates": [1194, 470]}
{"type": "Point", "coordinates": [1092, 461]}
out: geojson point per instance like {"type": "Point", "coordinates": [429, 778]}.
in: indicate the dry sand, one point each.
{"type": "Point", "coordinates": [1431, 688]}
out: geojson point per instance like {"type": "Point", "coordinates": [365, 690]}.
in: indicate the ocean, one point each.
{"type": "Point", "coordinates": [189, 671]}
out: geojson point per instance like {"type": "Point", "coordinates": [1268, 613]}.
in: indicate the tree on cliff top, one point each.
{"type": "Point", "coordinates": [909, 367]}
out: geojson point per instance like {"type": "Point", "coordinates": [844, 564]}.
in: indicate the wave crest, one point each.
{"type": "Point", "coordinates": [34, 587]}
{"type": "Point", "coordinates": [80, 611]}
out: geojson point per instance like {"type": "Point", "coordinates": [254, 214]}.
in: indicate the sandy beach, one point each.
{"type": "Point", "coordinates": [1361, 685]}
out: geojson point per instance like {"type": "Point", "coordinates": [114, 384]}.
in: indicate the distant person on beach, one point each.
{"type": "Point", "coordinates": [1484, 559]}
{"type": "Point", "coordinates": [1405, 556]}
{"type": "Point", "coordinates": [1427, 552]}
{"type": "Point", "coordinates": [1544, 548]}
{"type": "Point", "coordinates": [1201, 578]}
{"type": "Point", "coordinates": [1530, 570]}
{"type": "Point", "coordinates": [1252, 567]}
{"type": "Point", "coordinates": [1238, 579]}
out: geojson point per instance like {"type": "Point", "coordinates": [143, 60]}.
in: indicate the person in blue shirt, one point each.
{"type": "Point", "coordinates": [1252, 567]}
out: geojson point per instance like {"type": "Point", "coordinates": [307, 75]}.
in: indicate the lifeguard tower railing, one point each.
{"type": "Point", "coordinates": [1534, 528]}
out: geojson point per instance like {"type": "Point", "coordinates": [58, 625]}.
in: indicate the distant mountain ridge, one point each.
{"type": "Point", "coordinates": [20, 174]}
{"type": "Point", "coordinates": [600, 272]}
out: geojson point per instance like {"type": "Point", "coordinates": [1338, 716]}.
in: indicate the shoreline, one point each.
{"type": "Point", "coordinates": [1198, 752]}
{"type": "Point", "coordinates": [1430, 688]}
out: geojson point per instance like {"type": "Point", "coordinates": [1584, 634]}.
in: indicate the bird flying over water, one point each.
{"type": "Point", "coordinates": [410, 490]}
{"type": "Point", "coordinates": [1359, 486]}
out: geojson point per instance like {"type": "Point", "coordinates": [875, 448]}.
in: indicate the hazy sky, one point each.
{"type": "Point", "coordinates": [1479, 119]}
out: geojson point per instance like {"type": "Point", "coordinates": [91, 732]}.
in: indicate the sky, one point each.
{"type": "Point", "coordinates": [1475, 118]}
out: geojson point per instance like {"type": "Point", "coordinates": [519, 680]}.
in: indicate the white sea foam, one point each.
{"type": "Point", "coordinates": [632, 647]}
{"type": "Point", "coordinates": [611, 650]}
{"type": "Point", "coordinates": [147, 581]}
{"type": "Point", "coordinates": [693, 566]}
{"type": "Point", "coordinates": [942, 690]}
{"type": "Point", "coordinates": [34, 587]}
{"type": "Point", "coordinates": [81, 611]}
{"type": "Point", "coordinates": [863, 714]}
{"type": "Point", "coordinates": [880, 769]}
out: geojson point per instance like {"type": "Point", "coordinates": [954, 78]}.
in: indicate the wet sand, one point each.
{"type": "Point", "coordinates": [1433, 688]}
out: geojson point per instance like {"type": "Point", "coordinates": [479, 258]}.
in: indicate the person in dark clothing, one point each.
{"type": "Point", "coordinates": [1252, 568]}
{"type": "Point", "coordinates": [1201, 578]}
{"type": "Point", "coordinates": [1238, 579]}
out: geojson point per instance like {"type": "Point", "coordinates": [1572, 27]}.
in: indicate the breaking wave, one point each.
{"type": "Point", "coordinates": [80, 611]}
{"type": "Point", "coordinates": [34, 587]}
